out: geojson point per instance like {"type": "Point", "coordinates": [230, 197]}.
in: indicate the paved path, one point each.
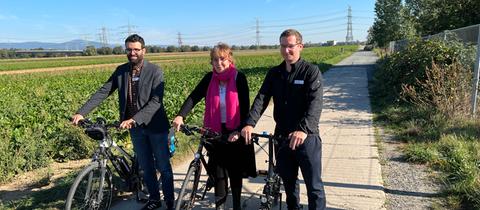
{"type": "Point", "coordinates": [351, 169]}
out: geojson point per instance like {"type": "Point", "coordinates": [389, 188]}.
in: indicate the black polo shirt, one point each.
{"type": "Point", "coordinates": [297, 98]}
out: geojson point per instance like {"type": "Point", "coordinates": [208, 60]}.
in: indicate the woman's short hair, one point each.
{"type": "Point", "coordinates": [221, 50]}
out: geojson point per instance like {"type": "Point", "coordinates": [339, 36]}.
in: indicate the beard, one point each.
{"type": "Point", "coordinates": [135, 59]}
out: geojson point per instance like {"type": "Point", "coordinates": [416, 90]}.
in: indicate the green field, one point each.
{"type": "Point", "coordinates": [35, 108]}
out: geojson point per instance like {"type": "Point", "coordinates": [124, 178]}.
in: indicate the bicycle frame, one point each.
{"type": "Point", "coordinates": [271, 190]}
{"type": "Point", "coordinates": [188, 192]}
{"type": "Point", "coordinates": [124, 164]}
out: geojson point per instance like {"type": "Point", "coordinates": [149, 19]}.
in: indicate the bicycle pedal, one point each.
{"type": "Point", "coordinates": [262, 173]}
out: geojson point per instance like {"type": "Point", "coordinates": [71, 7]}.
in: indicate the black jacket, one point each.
{"type": "Point", "coordinates": [297, 98]}
{"type": "Point", "coordinates": [151, 114]}
{"type": "Point", "coordinates": [235, 156]}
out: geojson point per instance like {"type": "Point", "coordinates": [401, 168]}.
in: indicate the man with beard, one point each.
{"type": "Point", "coordinates": [140, 87]}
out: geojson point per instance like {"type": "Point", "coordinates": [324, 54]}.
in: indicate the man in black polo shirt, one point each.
{"type": "Point", "coordinates": [296, 88]}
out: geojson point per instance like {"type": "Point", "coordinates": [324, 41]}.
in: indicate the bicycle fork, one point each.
{"type": "Point", "coordinates": [271, 191]}
{"type": "Point", "coordinates": [103, 171]}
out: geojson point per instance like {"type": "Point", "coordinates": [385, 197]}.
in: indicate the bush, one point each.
{"type": "Point", "coordinates": [447, 90]}
{"type": "Point", "coordinates": [409, 67]}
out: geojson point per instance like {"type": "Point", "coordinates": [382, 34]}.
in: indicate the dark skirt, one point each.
{"type": "Point", "coordinates": [236, 157]}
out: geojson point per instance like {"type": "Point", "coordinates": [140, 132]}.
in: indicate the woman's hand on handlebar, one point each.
{"type": "Point", "coordinates": [177, 122]}
{"type": "Point", "coordinates": [77, 118]}
{"type": "Point", "coordinates": [234, 136]}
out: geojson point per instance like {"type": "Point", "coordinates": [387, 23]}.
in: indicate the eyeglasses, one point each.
{"type": "Point", "coordinates": [128, 50]}
{"type": "Point", "coordinates": [290, 46]}
{"type": "Point", "coordinates": [219, 59]}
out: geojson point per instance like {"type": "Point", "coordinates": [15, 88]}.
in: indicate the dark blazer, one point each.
{"type": "Point", "coordinates": [237, 157]}
{"type": "Point", "coordinates": [151, 114]}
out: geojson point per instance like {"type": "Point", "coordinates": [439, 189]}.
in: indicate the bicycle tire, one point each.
{"type": "Point", "coordinates": [186, 197]}
{"type": "Point", "coordinates": [84, 191]}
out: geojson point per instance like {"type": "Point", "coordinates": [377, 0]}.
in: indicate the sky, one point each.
{"type": "Point", "coordinates": [195, 22]}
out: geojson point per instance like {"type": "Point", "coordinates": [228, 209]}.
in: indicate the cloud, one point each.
{"type": "Point", "coordinates": [8, 17]}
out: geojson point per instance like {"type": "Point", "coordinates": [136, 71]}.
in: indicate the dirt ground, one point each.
{"type": "Point", "coordinates": [37, 180]}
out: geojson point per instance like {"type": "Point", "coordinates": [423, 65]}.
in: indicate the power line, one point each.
{"type": "Point", "coordinates": [307, 17]}
{"type": "Point", "coordinates": [306, 23]}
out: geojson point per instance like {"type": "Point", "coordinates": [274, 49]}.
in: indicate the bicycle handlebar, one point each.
{"type": "Point", "coordinates": [256, 136]}
{"type": "Point", "coordinates": [97, 130]}
{"type": "Point", "coordinates": [206, 132]}
{"type": "Point", "coordinates": [99, 122]}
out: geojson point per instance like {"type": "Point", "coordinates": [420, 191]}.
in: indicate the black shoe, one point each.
{"type": "Point", "coordinates": [152, 205]}
{"type": "Point", "coordinates": [169, 205]}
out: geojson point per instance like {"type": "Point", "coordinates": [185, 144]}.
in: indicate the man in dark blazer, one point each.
{"type": "Point", "coordinates": [140, 86]}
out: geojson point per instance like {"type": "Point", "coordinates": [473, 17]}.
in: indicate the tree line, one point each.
{"type": "Point", "coordinates": [397, 19]}
{"type": "Point", "coordinates": [118, 50]}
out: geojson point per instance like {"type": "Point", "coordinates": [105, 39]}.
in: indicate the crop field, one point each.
{"type": "Point", "coordinates": [35, 108]}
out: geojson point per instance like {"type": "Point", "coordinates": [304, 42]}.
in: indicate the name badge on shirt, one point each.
{"type": "Point", "coordinates": [135, 79]}
{"type": "Point", "coordinates": [298, 82]}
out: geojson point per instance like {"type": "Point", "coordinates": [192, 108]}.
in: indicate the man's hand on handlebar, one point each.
{"type": "Point", "coordinates": [77, 118]}
{"type": "Point", "coordinates": [127, 124]}
{"type": "Point", "coordinates": [247, 134]}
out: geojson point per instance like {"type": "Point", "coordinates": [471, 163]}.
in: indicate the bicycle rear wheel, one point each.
{"type": "Point", "coordinates": [186, 198]}
{"type": "Point", "coordinates": [92, 189]}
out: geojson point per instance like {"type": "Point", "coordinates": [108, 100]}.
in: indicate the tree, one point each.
{"type": "Point", "coordinates": [434, 16]}
{"type": "Point", "coordinates": [393, 22]}
{"type": "Point", "coordinates": [195, 48]}
{"type": "Point", "coordinates": [118, 50]}
{"type": "Point", "coordinates": [104, 51]}
{"type": "Point", "coordinates": [185, 48]}
{"type": "Point", "coordinates": [90, 51]}
{"type": "Point", "coordinates": [172, 48]}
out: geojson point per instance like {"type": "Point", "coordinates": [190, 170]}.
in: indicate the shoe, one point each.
{"type": "Point", "coordinates": [152, 205]}
{"type": "Point", "coordinates": [169, 205]}
{"type": "Point", "coordinates": [220, 206]}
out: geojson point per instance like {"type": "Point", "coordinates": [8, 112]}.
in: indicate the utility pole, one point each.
{"type": "Point", "coordinates": [130, 29]}
{"type": "Point", "coordinates": [258, 34]}
{"type": "Point", "coordinates": [349, 38]}
{"type": "Point", "coordinates": [103, 37]}
{"type": "Point", "coordinates": [180, 43]}
{"type": "Point", "coordinates": [85, 38]}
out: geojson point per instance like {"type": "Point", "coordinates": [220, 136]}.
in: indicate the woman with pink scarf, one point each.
{"type": "Point", "coordinates": [226, 107]}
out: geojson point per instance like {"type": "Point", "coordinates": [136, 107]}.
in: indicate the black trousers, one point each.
{"type": "Point", "coordinates": [222, 175]}
{"type": "Point", "coordinates": [308, 157]}
{"type": "Point", "coordinates": [223, 171]}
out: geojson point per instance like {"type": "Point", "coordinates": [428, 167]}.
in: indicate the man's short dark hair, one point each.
{"type": "Point", "coordinates": [135, 38]}
{"type": "Point", "coordinates": [292, 32]}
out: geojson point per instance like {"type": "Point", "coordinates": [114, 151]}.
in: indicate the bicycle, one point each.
{"type": "Point", "coordinates": [271, 190]}
{"type": "Point", "coordinates": [93, 186]}
{"type": "Point", "coordinates": [188, 193]}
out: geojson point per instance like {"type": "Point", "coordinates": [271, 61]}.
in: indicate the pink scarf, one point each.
{"type": "Point", "coordinates": [212, 117]}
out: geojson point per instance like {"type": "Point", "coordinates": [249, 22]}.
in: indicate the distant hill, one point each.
{"type": "Point", "coordinates": [76, 44]}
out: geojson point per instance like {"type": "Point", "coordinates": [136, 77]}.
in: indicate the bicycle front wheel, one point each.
{"type": "Point", "coordinates": [186, 198]}
{"type": "Point", "coordinates": [92, 189]}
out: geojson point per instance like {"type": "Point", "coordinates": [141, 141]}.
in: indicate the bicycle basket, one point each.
{"type": "Point", "coordinates": [97, 132]}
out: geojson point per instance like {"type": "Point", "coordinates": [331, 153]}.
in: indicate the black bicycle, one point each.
{"type": "Point", "coordinates": [271, 190]}
{"type": "Point", "coordinates": [93, 186]}
{"type": "Point", "coordinates": [189, 191]}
